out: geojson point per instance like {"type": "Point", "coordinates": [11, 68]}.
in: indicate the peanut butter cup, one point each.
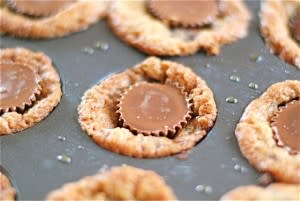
{"type": "Point", "coordinates": [286, 127]}
{"type": "Point", "coordinates": [154, 109]}
{"type": "Point", "coordinates": [19, 86]}
{"type": "Point", "coordinates": [188, 13]}
{"type": "Point", "coordinates": [38, 8]}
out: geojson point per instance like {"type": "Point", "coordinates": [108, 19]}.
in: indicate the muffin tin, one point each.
{"type": "Point", "coordinates": [213, 167]}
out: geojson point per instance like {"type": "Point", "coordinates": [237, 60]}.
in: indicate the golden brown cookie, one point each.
{"type": "Point", "coordinates": [98, 114]}
{"type": "Point", "coordinates": [34, 21]}
{"type": "Point", "coordinates": [29, 89]}
{"type": "Point", "coordinates": [268, 130]}
{"type": "Point", "coordinates": [7, 192]}
{"type": "Point", "coordinates": [135, 24]}
{"type": "Point", "coordinates": [119, 183]}
{"type": "Point", "coordinates": [276, 17]}
{"type": "Point", "coordinates": [276, 191]}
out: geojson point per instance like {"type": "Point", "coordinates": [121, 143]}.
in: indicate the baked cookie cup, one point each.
{"type": "Point", "coordinates": [268, 132]}
{"type": "Point", "coordinates": [30, 88]}
{"type": "Point", "coordinates": [118, 183]}
{"type": "Point", "coordinates": [275, 191]}
{"type": "Point", "coordinates": [39, 19]}
{"type": "Point", "coordinates": [167, 31]}
{"type": "Point", "coordinates": [280, 27]}
{"type": "Point", "coordinates": [7, 191]}
{"type": "Point", "coordinates": [154, 109]}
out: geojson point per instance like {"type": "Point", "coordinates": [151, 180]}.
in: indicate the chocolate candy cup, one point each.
{"type": "Point", "coordinates": [184, 13]}
{"type": "Point", "coordinates": [154, 109]}
{"type": "Point", "coordinates": [19, 87]}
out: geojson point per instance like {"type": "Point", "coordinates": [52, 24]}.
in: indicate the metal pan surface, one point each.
{"type": "Point", "coordinates": [216, 162]}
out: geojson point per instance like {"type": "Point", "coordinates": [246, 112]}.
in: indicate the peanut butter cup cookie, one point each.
{"type": "Point", "coordinates": [280, 26]}
{"type": "Point", "coordinates": [48, 18]}
{"type": "Point", "coordinates": [269, 132]}
{"type": "Point", "coordinates": [276, 191]}
{"type": "Point", "coordinates": [119, 183]}
{"type": "Point", "coordinates": [179, 27]}
{"type": "Point", "coordinates": [155, 109]}
{"type": "Point", "coordinates": [7, 192]}
{"type": "Point", "coordinates": [29, 89]}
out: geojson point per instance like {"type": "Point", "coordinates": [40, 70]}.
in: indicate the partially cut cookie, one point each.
{"type": "Point", "coordinates": [29, 89]}
{"type": "Point", "coordinates": [269, 133]}
{"type": "Point", "coordinates": [280, 26]}
{"type": "Point", "coordinates": [47, 18]}
{"type": "Point", "coordinates": [154, 109]}
{"type": "Point", "coordinates": [275, 191]}
{"type": "Point", "coordinates": [179, 27]}
{"type": "Point", "coordinates": [118, 183]}
{"type": "Point", "coordinates": [7, 192]}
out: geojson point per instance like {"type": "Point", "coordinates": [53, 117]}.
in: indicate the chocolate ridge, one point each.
{"type": "Point", "coordinates": [171, 131]}
{"type": "Point", "coordinates": [13, 4]}
{"type": "Point", "coordinates": [32, 98]}
{"type": "Point", "coordinates": [276, 136]}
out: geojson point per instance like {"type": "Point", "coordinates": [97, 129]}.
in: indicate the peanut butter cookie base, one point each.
{"type": "Point", "coordinates": [98, 117]}
{"type": "Point", "coordinates": [276, 191]}
{"type": "Point", "coordinates": [274, 16]}
{"type": "Point", "coordinates": [131, 21]}
{"type": "Point", "coordinates": [75, 17]}
{"type": "Point", "coordinates": [7, 192]}
{"type": "Point", "coordinates": [50, 92]}
{"type": "Point", "coordinates": [120, 183]}
{"type": "Point", "coordinates": [255, 135]}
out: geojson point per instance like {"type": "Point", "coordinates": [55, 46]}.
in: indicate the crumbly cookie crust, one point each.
{"type": "Point", "coordinates": [7, 192]}
{"type": "Point", "coordinates": [131, 21]}
{"type": "Point", "coordinates": [274, 17]}
{"type": "Point", "coordinates": [50, 96]}
{"type": "Point", "coordinates": [98, 117]}
{"type": "Point", "coordinates": [255, 135]}
{"type": "Point", "coordinates": [74, 18]}
{"type": "Point", "coordinates": [276, 191]}
{"type": "Point", "coordinates": [120, 183]}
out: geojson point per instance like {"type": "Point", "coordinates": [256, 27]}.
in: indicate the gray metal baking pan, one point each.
{"type": "Point", "coordinates": [216, 163]}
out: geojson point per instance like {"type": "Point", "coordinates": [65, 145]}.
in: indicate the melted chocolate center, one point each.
{"type": "Point", "coordinates": [38, 8]}
{"type": "Point", "coordinates": [150, 107]}
{"type": "Point", "coordinates": [286, 125]}
{"type": "Point", "coordinates": [18, 85]}
{"type": "Point", "coordinates": [184, 12]}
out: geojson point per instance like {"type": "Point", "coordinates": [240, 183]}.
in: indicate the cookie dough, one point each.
{"type": "Point", "coordinates": [30, 89]}
{"type": "Point", "coordinates": [275, 17]}
{"type": "Point", "coordinates": [98, 116]}
{"type": "Point", "coordinates": [276, 191]}
{"type": "Point", "coordinates": [119, 183]}
{"type": "Point", "coordinates": [134, 24]}
{"type": "Point", "coordinates": [258, 137]}
{"type": "Point", "coordinates": [20, 20]}
{"type": "Point", "coordinates": [7, 192]}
